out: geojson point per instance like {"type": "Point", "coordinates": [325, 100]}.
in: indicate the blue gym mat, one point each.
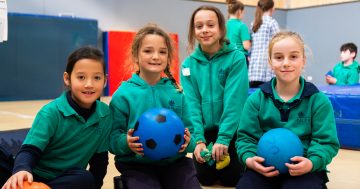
{"type": "Point", "coordinates": [11, 140]}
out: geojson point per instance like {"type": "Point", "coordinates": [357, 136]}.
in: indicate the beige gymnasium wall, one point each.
{"type": "Point", "coordinates": [292, 4]}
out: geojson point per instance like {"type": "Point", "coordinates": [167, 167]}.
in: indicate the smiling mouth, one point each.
{"type": "Point", "coordinates": [88, 92]}
{"type": "Point", "coordinates": [156, 64]}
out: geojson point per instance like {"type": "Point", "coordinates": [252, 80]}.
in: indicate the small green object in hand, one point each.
{"type": "Point", "coordinates": [206, 154]}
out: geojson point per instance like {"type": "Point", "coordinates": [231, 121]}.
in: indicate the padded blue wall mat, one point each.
{"type": "Point", "coordinates": [346, 103]}
{"type": "Point", "coordinates": [33, 59]}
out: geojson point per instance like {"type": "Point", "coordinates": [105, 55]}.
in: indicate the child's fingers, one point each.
{"type": "Point", "coordinates": [187, 132]}
{"type": "Point", "coordinates": [186, 139]}
{"type": "Point", "coordinates": [271, 173]}
{"type": "Point", "coordinates": [133, 139]}
{"type": "Point", "coordinates": [130, 132]}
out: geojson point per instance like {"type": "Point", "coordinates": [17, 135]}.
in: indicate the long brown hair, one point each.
{"type": "Point", "coordinates": [262, 6]}
{"type": "Point", "coordinates": [191, 33]}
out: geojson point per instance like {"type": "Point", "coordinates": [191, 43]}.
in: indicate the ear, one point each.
{"type": "Point", "coordinates": [353, 54]}
{"type": "Point", "coordinates": [304, 61]}
{"type": "Point", "coordinates": [66, 77]}
{"type": "Point", "coordinates": [269, 62]}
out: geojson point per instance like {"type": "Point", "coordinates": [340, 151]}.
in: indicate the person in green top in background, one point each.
{"type": "Point", "coordinates": [215, 82]}
{"type": "Point", "coordinates": [69, 133]}
{"type": "Point", "coordinates": [287, 101]}
{"type": "Point", "coordinates": [152, 53]}
{"type": "Point", "coordinates": [347, 71]}
{"type": "Point", "coordinates": [237, 31]}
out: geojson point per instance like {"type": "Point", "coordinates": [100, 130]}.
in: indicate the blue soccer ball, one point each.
{"type": "Point", "coordinates": [277, 146]}
{"type": "Point", "coordinates": [161, 133]}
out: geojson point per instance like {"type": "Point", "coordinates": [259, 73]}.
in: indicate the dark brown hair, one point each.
{"type": "Point", "coordinates": [86, 52]}
{"type": "Point", "coordinates": [349, 46]}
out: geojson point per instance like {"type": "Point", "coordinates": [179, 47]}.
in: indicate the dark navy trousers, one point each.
{"type": "Point", "coordinates": [177, 175]}
{"type": "Point", "coordinates": [254, 180]}
{"type": "Point", "coordinates": [228, 176]}
{"type": "Point", "coordinates": [70, 179]}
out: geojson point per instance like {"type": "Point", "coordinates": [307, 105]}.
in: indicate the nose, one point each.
{"type": "Point", "coordinates": [205, 29]}
{"type": "Point", "coordinates": [286, 62]}
{"type": "Point", "coordinates": [88, 83]}
{"type": "Point", "coordinates": [155, 55]}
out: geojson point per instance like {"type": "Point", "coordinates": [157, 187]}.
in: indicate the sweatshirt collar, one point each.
{"type": "Point", "coordinates": [307, 90]}
{"type": "Point", "coordinates": [204, 58]}
{"type": "Point", "coordinates": [137, 80]}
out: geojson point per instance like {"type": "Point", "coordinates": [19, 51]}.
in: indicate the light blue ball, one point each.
{"type": "Point", "coordinates": [161, 133]}
{"type": "Point", "coordinates": [277, 146]}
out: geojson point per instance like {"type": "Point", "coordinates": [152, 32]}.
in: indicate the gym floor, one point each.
{"type": "Point", "coordinates": [344, 169]}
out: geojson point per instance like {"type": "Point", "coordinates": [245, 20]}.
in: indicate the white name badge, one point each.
{"type": "Point", "coordinates": [185, 71]}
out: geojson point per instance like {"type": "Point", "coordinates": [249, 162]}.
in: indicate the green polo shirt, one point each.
{"type": "Point", "coordinates": [237, 33]}
{"type": "Point", "coordinates": [347, 75]}
{"type": "Point", "coordinates": [309, 115]}
{"type": "Point", "coordinates": [66, 139]}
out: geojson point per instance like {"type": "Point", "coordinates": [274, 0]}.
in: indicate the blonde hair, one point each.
{"type": "Point", "coordinates": [286, 34]}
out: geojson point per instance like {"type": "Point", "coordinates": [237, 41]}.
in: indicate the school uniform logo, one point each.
{"type": "Point", "coordinates": [222, 76]}
{"type": "Point", "coordinates": [171, 104]}
{"type": "Point", "coordinates": [302, 118]}
{"type": "Point", "coordinates": [174, 107]}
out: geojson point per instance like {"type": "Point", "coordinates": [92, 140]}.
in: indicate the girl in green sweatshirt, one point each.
{"type": "Point", "coordinates": [215, 82]}
{"type": "Point", "coordinates": [152, 52]}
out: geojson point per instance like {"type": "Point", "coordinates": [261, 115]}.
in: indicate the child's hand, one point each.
{"type": "Point", "coordinates": [303, 166]}
{"type": "Point", "coordinates": [133, 143]}
{"type": "Point", "coordinates": [187, 137]}
{"type": "Point", "coordinates": [16, 180]}
{"type": "Point", "coordinates": [199, 147]}
{"type": "Point", "coordinates": [219, 151]}
{"type": "Point", "coordinates": [255, 163]}
{"type": "Point", "coordinates": [330, 80]}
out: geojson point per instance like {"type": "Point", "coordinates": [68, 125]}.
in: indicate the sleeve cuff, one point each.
{"type": "Point", "coordinates": [125, 148]}
{"type": "Point", "coordinates": [247, 155]}
{"type": "Point", "coordinates": [191, 147]}
{"type": "Point", "coordinates": [224, 141]}
{"type": "Point", "coordinates": [200, 140]}
{"type": "Point", "coordinates": [317, 163]}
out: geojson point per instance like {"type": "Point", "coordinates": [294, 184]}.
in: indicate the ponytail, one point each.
{"type": "Point", "coordinates": [262, 6]}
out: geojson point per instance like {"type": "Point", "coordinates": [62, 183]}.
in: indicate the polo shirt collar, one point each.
{"type": "Point", "coordinates": [66, 109]}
